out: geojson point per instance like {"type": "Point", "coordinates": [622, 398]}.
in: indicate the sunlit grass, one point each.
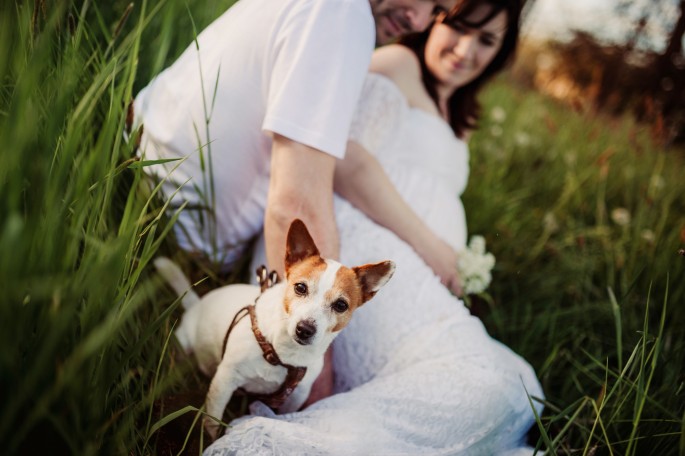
{"type": "Point", "coordinates": [584, 214]}
{"type": "Point", "coordinates": [82, 328]}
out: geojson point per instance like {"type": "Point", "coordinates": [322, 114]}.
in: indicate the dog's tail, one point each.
{"type": "Point", "coordinates": [177, 280]}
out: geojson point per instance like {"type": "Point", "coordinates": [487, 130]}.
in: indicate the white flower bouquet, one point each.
{"type": "Point", "coordinates": [475, 266]}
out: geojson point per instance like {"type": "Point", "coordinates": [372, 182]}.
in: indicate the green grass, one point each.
{"type": "Point", "coordinates": [592, 297]}
{"type": "Point", "coordinates": [596, 306]}
{"type": "Point", "coordinates": [82, 327]}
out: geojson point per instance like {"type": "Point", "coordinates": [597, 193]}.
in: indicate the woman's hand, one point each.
{"type": "Point", "coordinates": [442, 259]}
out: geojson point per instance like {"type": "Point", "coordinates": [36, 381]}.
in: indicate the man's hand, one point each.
{"type": "Point", "coordinates": [301, 186]}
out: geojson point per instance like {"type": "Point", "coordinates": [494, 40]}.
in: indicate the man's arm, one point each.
{"type": "Point", "coordinates": [301, 186]}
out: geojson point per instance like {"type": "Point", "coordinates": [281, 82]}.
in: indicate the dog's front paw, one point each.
{"type": "Point", "coordinates": [212, 427]}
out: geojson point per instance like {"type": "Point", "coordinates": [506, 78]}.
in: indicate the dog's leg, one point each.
{"type": "Point", "coordinates": [297, 398]}
{"type": "Point", "coordinates": [223, 385]}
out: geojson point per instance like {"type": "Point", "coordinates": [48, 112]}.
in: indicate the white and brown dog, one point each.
{"type": "Point", "coordinates": [279, 350]}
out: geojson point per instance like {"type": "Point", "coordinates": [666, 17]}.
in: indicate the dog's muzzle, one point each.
{"type": "Point", "coordinates": [304, 331]}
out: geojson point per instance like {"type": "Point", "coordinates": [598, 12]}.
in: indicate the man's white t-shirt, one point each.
{"type": "Point", "coordinates": [292, 67]}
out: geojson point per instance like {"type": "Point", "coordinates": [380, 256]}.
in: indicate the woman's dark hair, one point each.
{"type": "Point", "coordinates": [463, 106]}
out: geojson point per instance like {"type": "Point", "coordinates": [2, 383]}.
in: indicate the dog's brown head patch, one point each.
{"type": "Point", "coordinates": [355, 287]}
{"type": "Point", "coordinates": [305, 273]}
{"type": "Point", "coordinates": [299, 245]}
{"type": "Point", "coordinates": [346, 293]}
{"type": "Point", "coordinates": [373, 276]}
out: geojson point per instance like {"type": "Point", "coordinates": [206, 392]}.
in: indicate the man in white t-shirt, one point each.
{"type": "Point", "coordinates": [258, 110]}
{"type": "Point", "coordinates": [269, 86]}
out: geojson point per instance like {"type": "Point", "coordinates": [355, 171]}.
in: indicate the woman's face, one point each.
{"type": "Point", "coordinates": [457, 53]}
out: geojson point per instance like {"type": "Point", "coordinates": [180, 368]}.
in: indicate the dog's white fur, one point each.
{"type": "Point", "coordinates": [279, 310]}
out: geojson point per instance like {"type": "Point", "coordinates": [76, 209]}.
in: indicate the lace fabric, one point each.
{"type": "Point", "coordinates": [379, 116]}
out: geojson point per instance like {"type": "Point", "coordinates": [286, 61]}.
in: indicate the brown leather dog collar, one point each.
{"type": "Point", "coordinates": [295, 374]}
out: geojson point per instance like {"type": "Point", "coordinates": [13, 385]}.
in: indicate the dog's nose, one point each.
{"type": "Point", "coordinates": [305, 329]}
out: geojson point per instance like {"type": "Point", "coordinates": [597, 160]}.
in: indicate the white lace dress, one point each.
{"type": "Point", "coordinates": [415, 373]}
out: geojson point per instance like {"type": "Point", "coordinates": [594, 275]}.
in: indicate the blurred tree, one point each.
{"type": "Point", "coordinates": [670, 66]}
{"type": "Point", "coordinates": [653, 21]}
{"type": "Point", "coordinates": [644, 72]}
{"type": "Point", "coordinates": [667, 83]}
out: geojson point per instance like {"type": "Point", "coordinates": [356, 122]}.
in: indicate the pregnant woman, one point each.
{"type": "Point", "coordinates": [415, 372]}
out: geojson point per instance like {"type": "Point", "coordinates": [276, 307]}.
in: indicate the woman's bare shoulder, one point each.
{"type": "Point", "coordinates": [401, 65]}
{"type": "Point", "coordinates": [395, 61]}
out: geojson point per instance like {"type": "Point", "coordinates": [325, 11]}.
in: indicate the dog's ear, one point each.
{"type": "Point", "coordinates": [300, 244]}
{"type": "Point", "coordinates": [373, 276]}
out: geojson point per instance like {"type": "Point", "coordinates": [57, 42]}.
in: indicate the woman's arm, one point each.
{"type": "Point", "coordinates": [361, 180]}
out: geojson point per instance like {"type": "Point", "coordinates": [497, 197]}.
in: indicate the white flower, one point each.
{"type": "Point", "coordinates": [657, 183]}
{"type": "Point", "coordinates": [475, 266]}
{"type": "Point", "coordinates": [522, 139]}
{"type": "Point", "coordinates": [498, 114]}
{"type": "Point", "coordinates": [621, 216]}
{"type": "Point", "coordinates": [477, 244]}
{"type": "Point", "coordinates": [648, 235]}
{"type": "Point", "coordinates": [550, 222]}
{"type": "Point", "coordinates": [570, 158]}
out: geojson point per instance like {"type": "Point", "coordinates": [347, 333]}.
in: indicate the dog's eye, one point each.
{"type": "Point", "coordinates": [340, 306]}
{"type": "Point", "coordinates": [301, 289]}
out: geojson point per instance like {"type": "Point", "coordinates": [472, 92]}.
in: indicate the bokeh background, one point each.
{"type": "Point", "coordinates": [576, 184]}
